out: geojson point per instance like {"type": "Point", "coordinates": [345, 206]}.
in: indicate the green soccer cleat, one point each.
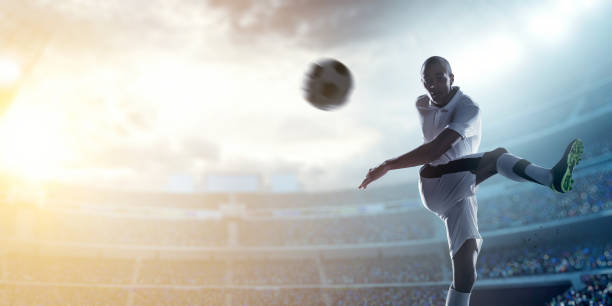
{"type": "Point", "coordinates": [562, 171]}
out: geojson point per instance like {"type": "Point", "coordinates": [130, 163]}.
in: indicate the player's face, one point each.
{"type": "Point", "coordinates": [437, 81]}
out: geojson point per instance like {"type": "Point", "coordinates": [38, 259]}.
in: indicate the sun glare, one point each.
{"type": "Point", "coordinates": [9, 72]}
{"type": "Point", "coordinates": [31, 145]}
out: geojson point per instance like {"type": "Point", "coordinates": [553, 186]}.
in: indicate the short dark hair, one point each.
{"type": "Point", "coordinates": [436, 59]}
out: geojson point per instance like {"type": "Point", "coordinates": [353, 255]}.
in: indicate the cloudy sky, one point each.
{"type": "Point", "coordinates": [135, 94]}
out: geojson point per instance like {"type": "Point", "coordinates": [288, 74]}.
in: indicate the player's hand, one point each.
{"type": "Point", "coordinates": [374, 174]}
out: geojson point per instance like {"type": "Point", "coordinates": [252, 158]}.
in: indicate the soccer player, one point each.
{"type": "Point", "coordinates": [452, 169]}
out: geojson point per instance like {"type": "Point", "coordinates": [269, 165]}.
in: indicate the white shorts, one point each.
{"type": "Point", "coordinates": [452, 197]}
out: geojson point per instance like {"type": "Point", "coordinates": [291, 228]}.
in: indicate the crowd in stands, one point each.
{"type": "Point", "coordinates": [182, 272]}
{"type": "Point", "coordinates": [597, 148]}
{"type": "Point", "coordinates": [61, 295]}
{"type": "Point", "coordinates": [422, 296]}
{"type": "Point", "coordinates": [171, 297]}
{"type": "Point", "coordinates": [277, 297]}
{"type": "Point", "coordinates": [530, 204]}
{"type": "Point", "coordinates": [103, 296]}
{"type": "Point", "coordinates": [499, 262]}
{"type": "Point", "coordinates": [54, 295]}
{"type": "Point", "coordinates": [591, 194]}
{"type": "Point", "coordinates": [63, 269]}
{"type": "Point", "coordinates": [418, 268]}
{"type": "Point", "coordinates": [597, 291]}
{"type": "Point", "coordinates": [349, 197]}
{"type": "Point", "coordinates": [70, 227]}
{"type": "Point", "coordinates": [275, 272]}
{"type": "Point", "coordinates": [53, 280]}
{"type": "Point", "coordinates": [544, 259]}
{"type": "Point", "coordinates": [212, 272]}
{"type": "Point", "coordinates": [340, 230]}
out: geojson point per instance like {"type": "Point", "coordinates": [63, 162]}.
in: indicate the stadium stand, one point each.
{"type": "Point", "coordinates": [59, 226]}
{"type": "Point", "coordinates": [278, 297]}
{"type": "Point", "coordinates": [597, 291]}
{"type": "Point", "coordinates": [275, 272]}
{"type": "Point", "coordinates": [182, 272]}
{"type": "Point", "coordinates": [389, 296]}
{"type": "Point", "coordinates": [536, 258]}
{"type": "Point", "coordinates": [52, 269]}
{"type": "Point", "coordinates": [356, 229]}
{"type": "Point", "coordinates": [591, 194]}
{"type": "Point", "coordinates": [164, 296]}
{"type": "Point", "coordinates": [421, 268]}
{"type": "Point", "coordinates": [61, 295]}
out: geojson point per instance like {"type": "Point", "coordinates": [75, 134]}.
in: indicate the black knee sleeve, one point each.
{"type": "Point", "coordinates": [519, 169]}
{"type": "Point", "coordinates": [498, 152]}
{"type": "Point", "coordinates": [492, 156]}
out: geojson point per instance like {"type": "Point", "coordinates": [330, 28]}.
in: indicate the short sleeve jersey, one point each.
{"type": "Point", "coordinates": [460, 114]}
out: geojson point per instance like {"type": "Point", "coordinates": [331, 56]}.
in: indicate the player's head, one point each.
{"type": "Point", "coordinates": [437, 77]}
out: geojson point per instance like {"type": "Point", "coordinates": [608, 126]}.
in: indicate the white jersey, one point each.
{"type": "Point", "coordinates": [460, 114]}
{"type": "Point", "coordinates": [453, 196]}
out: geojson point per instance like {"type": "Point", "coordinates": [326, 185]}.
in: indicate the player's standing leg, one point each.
{"type": "Point", "coordinates": [464, 274]}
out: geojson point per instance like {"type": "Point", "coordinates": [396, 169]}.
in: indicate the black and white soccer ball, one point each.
{"type": "Point", "coordinates": [327, 84]}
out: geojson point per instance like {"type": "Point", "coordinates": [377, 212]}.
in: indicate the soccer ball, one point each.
{"type": "Point", "coordinates": [327, 84]}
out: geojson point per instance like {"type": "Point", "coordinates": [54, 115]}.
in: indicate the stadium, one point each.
{"type": "Point", "coordinates": [145, 158]}
{"type": "Point", "coordinates": [78, 245]}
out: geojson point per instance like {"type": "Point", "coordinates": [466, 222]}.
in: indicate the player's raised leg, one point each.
{"type": "Point", "coordinates": [485, 165]}
{"type": "Point", "coordinates": [558, 178]}
{"type": "Point", "coordinates": [563, 170]}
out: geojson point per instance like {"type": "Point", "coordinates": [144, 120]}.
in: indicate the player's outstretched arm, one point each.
{"type": "Point", "coordinates": [425, 153]}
